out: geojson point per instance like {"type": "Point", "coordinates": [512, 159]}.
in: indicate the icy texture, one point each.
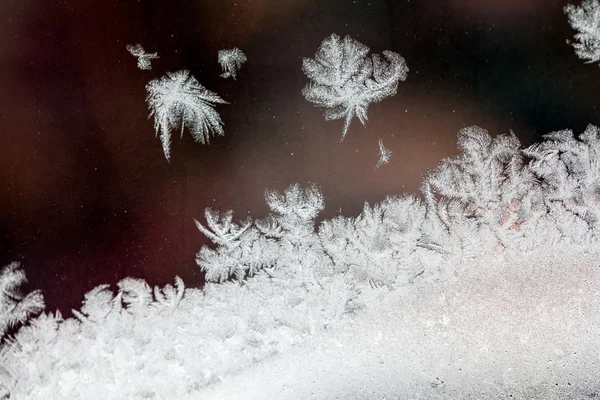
{"type": "Point", "coordinates": [144, 59]}
{"type": "Point", "coordinates": [519, 326]}
{"type": "Point", "coordinates": [586, 20]}
{"type": "Point", "coordinates": [569, 172]}
{"type": "Point", "coordinates": [384, 155]}
{"type": "Point", "coordinates": [437, 298]}
{"type": "Point", "coordinates": [231, 61]}
{"type": "Point", "coordinates": [167, 344]}
{"type": "Point", "coordinates": [481, 198]}
{"type": "Point", "coordinates": [344, 80]}
{"type": "Point", "coordinates": [179, 101]}
{"type": "Point", "coordinates": [286, 239]}
{"type": "Point", "coordinates": [15, 308]}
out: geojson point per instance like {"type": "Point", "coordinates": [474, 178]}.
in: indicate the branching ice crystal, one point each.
{"type": "Point", "coordinates": [178, 100]}
{"type": "Point", "coordinates": [16, 308]}
{"type": "Point", "coordinates": [586, 20]}
{"type": "Point", "coordinates": [384, 155]}
{"type": "Point", "coordinates": [344, 80]}
{"type": "Point", "coordinates": [231, 60]}
{"type": "Point", "coordinates": [144, 58]}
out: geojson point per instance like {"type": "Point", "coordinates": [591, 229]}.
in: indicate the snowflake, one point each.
{"type": "Point", "coordinates": [344, 80]}
{"type": "Point", "coordinates": [231, 60]}
{"type": "Point", "coordinates": [586, 20]}
{"type": "Point", "coordinates": [177, 99]}
{"type": "Point", "coordinates": [384, 155]}
{"type": "Point", "coordinates": [144, 58]}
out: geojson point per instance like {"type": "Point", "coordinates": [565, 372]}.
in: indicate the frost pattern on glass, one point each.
{"type": "Point", "coordinates": [586, 20]}
{"type": "Point", "coordinates": [15, 308]}
{"type": "Point", "coordinates": [569, 171]}
{"type": "Point", "coordinates": [231, 61]}
{"type": "Point", "coordinates": [344, 80]}
{"type": "Point", "coordinates": [285, 238]}
{"type": "Point", "coordinates": [384, 155]}
{"type": "Point", "coordinates": [380, 246]}
{"type": "Point", "coordinates": [224, 231]}
{"type": "Point", "coordinates": [283, 279]}
{"type": "Point", "coordinates": [144, 59]}
{"type": "Point", "coordinates": [179, 101]}
{"type": "Point", "coordinates": [480, 199]}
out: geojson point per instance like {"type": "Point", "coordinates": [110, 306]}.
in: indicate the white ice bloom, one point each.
{"type": "Point", "coordinates": [344, 80]}
{"type": "Point", "coordinates": [231, 60]}
{"type": "Point", "coordinates": [178, 100]}
{"type": "Point", "coordinates": [384, 155]}
{"type": "Point", "coordinates": [586, 20]}
{"type": "Point", "coordinates": [144, 59]}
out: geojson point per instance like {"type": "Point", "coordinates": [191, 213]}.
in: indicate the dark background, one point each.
{"type": "Point", "coordinates": [87, 196]}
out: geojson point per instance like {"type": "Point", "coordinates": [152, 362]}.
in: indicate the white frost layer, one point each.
{"type": "Point", "coordinates": [520, 326]}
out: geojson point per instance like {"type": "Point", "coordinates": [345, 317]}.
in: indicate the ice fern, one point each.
{"type": "Point", "coordinates": [231, 60]}
{"type": "Point", "coordinates": [135, 297]}
{"type": "Point", "coordinates": [292, 226]}
{"type": "Point", "coordinates": [223, 263]}
{"type": "Point", "coordinates": [224, 231]}
{"type": "Point", "coordinates": [144, 59]}
{"type": "Point", "coordinates": [586, 20]}
{"type": "Point", "coordinates": [344, 80]}
{"type": "Point", "coordinates": [569, 171]}
{"type": "Point", "coordinates": [295, 210]}
{"type": "Point", "coordinates": [16, 308]}
{"type": "Point", "coordinates": [378, 247]}
{"type": "Point", "coordinates": [285, 240]}
{"type": "Point", "coordinates": [179, 101]}
{"type": "Point", "coordinates": [478, 199]}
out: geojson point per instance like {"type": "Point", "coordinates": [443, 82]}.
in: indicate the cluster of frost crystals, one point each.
{"type": "Point", "coordinates": [179, 101]}
{"type": "Point", "coordinates": [586, 20]}
{"type": "Point", "coordinates": [231, 61]}
{"type": "Point", "coordinates": [286, 240]}
{"type": "Point", "coordinates": [165, 343]}
{"type": "Point", "coordinates": [16, 308]}
{"type": "Point", "coordinates": [144, 59]}
{"type": "Point", "coordinates": [480, 198]}
{"type": "Point", "coordinates": [569, 172]}
{"type": "Point", "coordinates": [344, 80]}
{"type": "Point", "coordinates": [379, 247]}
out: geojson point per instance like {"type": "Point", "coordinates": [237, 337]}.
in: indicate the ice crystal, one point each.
{"type": "Point", "coordinates": [384, 155]}
{"type": "Point", "coordinates": [16, 308]}
{"type": "Point", "coordinates": [178, 100]}
{"type": "Point", "coordinates": [231, 60]}
{"type": "Point", "coordinates": [144, 59]}
{"type": "Point", "coordinates": [586, 20]}
{"type": "Point", "coordinates": [344, 80]}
